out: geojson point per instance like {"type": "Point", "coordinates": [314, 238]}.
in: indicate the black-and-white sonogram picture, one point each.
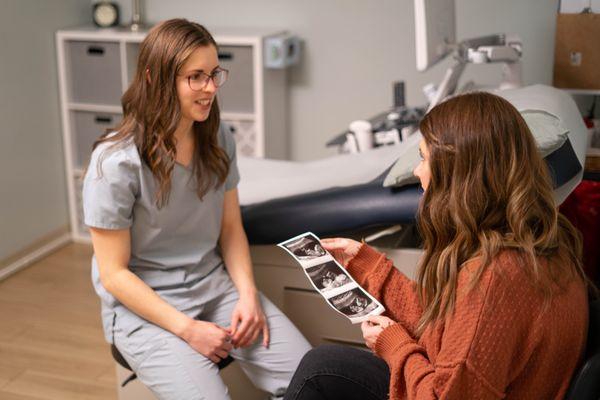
{"type": "Point", "coordinates": [354, 303]}
{"type": "Point", "coordinates": [305, 248]}
{"type": "Point", "coordinates": [328, 276]}
{"type": "Point", "coordinates": [331, 280]}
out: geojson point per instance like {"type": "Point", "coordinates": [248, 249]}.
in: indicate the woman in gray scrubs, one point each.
{"type": "Point", "coordinates": [171, 260]}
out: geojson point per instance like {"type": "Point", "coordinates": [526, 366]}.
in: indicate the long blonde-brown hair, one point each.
{"type": "Point", "coordinates": [151, 111]}
{"type": "Point", "coordinates": [489, 190]}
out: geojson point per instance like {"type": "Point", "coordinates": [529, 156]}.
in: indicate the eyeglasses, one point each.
{"type": "Point", "coordinates": [199, 80]}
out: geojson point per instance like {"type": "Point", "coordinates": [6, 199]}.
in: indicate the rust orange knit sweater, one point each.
{"type": "Point", "coordinates": [500, 341]}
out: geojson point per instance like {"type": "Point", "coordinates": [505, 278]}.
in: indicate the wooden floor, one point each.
{"type": "Point", "coordinates": [51, 342]}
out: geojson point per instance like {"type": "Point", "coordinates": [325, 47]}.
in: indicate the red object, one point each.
{"type": "Point", "coordinates": [582, 208]}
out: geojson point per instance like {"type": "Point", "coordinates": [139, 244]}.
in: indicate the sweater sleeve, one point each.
{"type": "Point", "coordinates": [414, 376]}
{"type": "Point", "coordinates": [481, 345]}
{"type": "Point", "coordinates": [398, 294]}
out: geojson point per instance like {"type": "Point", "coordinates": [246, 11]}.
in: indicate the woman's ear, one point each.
{"type": "Point", "coordinates": [148, 75]}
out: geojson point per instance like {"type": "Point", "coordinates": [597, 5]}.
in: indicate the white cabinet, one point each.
{"type": "Point", "coordinates": [96, 66]}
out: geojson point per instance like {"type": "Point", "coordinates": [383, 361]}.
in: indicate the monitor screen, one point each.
{"type": "Point", "coordinates": [435, 31]}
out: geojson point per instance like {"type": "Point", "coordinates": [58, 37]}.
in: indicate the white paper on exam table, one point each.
{"type": "Point", "coordinates": [264, 179]}
{"type": "Point", "coordinates": [330, 279]}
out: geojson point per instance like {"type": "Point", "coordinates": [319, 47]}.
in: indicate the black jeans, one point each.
{"type": "Point", "coordinates": [340, 372]}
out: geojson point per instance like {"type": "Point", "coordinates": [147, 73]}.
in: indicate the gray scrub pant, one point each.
{"type": "Point", "coordinates": [172, 370]}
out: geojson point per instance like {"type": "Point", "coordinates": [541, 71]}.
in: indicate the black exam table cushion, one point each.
{"type": "Point", "coordinates": [338, 210]}
{"type": "Point", "coordinates": [329, 212]}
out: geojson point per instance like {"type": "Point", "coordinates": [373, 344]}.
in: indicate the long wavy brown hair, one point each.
{"type": "Point", "coordinates": [489, 190]}
{"type": "Point", "coordinates": [151, 111]}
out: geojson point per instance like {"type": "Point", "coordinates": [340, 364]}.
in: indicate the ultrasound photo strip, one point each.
{"type": "Point", "coordinates": [355, 304]}
{"type": "Point", "coordinates": [306, 249]}
{"type": "Point", "coordinates": [330, 279]}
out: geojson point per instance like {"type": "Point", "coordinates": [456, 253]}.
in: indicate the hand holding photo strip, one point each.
{"type": "Point", "coordinates": [331, 280]}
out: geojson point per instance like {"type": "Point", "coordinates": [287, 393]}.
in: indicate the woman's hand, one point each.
{"type": "Point", "coordinates": [342, 249]}
{"type": "Point", "coordinates": [208, 339]}
{"type": "Point", "coordinates": [372, 328]}
{"type": "Point", "coordinates": [248, 321]}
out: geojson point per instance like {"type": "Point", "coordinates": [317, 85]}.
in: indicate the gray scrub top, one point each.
{"type": "Point", "coordinates": [173, 249]}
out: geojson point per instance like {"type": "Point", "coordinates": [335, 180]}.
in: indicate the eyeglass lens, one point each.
{"type": "Point", "coordinates": [200, 80]}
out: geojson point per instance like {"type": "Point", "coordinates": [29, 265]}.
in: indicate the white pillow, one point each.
{"type": "Point", "coordinates": [546, 128]}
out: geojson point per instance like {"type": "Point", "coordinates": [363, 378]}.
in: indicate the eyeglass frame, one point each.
{"type": "Point", "coordinates": [209, 77]}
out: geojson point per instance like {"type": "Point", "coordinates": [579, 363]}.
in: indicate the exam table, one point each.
{"type": "Point", "coordinates": [344, 193]}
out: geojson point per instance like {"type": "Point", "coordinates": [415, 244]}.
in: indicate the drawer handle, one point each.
{"type": "Point", "coordinates": [103, 120]}
{"type": "Point", "coordinates": [225, 56]}
{"type": "Point", "coordinates": [95, 50]}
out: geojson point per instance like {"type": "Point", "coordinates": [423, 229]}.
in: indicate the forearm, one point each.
{"type": "Point", "coordinates": [377, 274]}
{"type": "Point", "coordinates": [137, 296]}
{"type": "Point", "coordinates": [373, 271]}
{"type": "Point", "coordinates": [236, 254]}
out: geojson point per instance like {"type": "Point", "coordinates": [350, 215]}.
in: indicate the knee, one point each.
{"type": "Point", "coordinates": [322, 358]}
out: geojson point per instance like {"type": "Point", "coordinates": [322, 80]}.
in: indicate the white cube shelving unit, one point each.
{"type": "Point", "coordinates": [95, 67]}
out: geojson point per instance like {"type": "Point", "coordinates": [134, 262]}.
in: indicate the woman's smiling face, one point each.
{"type": "Point", "coordinates": [196, 104]}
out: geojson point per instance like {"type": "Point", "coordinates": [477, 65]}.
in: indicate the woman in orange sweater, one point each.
{"type": "Point", "coordinates": [499, 308]}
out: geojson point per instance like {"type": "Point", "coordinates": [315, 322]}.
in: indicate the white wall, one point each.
{"type": "Point", "coordinates": [32, 185]}
{"type": "Point", "coordinates": [355, 49]}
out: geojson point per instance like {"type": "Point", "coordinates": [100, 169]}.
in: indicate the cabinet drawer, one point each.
{"type": "Point", "coordinates": [86, 129]}
{"type": "Point", "coordinates": [237, 94]}
{"type": "Point", "coordinates": [95, 72]}
{"type": "Point", "coordinates": [289, 289]}
{"type": "Point", "coordinates": [317, 321]}
{"type": "Point", "coordinates": [244, 133]}
{"type": "Point", "coordinates": [273, 280]}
